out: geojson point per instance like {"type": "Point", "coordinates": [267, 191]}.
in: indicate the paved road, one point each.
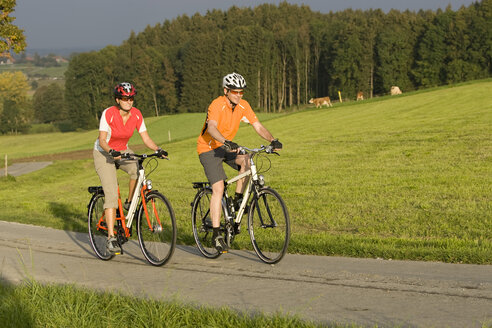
{"type": "Point", "coordinates": [325, 289]}
{"type": "Point", "coordinates": [17, 169]}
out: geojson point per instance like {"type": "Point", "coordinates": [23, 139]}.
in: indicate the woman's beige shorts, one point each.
{"type": "Point", "coordinates": [106, 169]}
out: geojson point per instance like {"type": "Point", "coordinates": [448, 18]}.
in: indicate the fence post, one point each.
{"type": "Point", "coordinates": [6, 173]}
{"type": "Point", "coordinates": [169, 135]}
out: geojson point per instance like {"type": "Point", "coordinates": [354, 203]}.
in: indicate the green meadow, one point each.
{"type": "Point", "coordinates": [32, 304]}
{"type": "Point", "coordinates": [403, 177]}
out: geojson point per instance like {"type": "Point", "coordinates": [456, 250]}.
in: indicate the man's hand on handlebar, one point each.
{"type": "Point", "coordinates": [231, 145]}
{"type": "Point", "coordinates": [276, 145]}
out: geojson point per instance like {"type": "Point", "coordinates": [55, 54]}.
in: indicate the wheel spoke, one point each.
{"type": "Point", "coordinates": [202, 224]}
{"type": "Point", "coordinates": [269, 226]}
{"type": "Point", "coordinates": [97, 227]}
{"type": "Point", "coordinates": [156, 229]}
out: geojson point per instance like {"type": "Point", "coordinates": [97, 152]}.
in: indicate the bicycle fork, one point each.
{"type": "Point", "coordinates": [272, 224]}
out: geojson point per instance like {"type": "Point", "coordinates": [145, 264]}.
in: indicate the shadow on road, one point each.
{"type": "Point", "coordinates": [193, 250]}
{"type": "Point", "coordinates": [72, 221]}
{"type": "Point", "coordinates": [75, 226]}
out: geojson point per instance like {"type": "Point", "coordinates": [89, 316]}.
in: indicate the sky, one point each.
{"type": "Point", "coordinates": [94, 24]}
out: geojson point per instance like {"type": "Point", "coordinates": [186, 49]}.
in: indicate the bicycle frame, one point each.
{"type": "Point", "coordinates": [253, 177]}
{"type": "Point", "coordinates": [266, 211]}
{"type": "Point", "coordinates": [141, 190]}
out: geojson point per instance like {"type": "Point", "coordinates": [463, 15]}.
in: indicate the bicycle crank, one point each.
{"type": "Point", "coordinates": [229, 234]}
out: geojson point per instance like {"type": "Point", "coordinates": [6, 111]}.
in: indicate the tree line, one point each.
{"type": "Point", "coordinates": [287, 53]}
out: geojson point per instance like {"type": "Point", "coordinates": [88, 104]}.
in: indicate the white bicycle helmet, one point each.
{"type": "Point", "coordinates": [234, 81]}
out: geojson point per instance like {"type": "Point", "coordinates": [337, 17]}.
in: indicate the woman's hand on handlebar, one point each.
{"type": "Point", "coordinates": [161, 152]}
{"type": "Point", "coordinates": [115, 154]}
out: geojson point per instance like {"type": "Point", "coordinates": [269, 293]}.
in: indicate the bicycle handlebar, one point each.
{"type": "Point", "coordinates": [143, 156]}
{"type": "Point", "coordinates": [266, 149]}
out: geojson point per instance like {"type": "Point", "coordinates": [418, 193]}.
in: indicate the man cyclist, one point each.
{"type": "Point", "coordinates": [215, 145]}
{"type": "Point", "coordinates": [116, 127]}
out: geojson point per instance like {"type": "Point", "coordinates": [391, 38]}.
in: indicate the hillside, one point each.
{"type": "Point", "coordinates": [287, 54]}
{"type": "Point", "coordinates": [403, 177]}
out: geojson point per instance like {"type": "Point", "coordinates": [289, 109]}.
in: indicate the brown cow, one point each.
{"type": "Point", "coordinates": [321, 101]}
{"type": "Point", "coordinates": [395, 90]}
{"type": "Point", "coordinates": [360, 95]}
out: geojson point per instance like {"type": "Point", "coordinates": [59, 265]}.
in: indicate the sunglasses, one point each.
{"type": "Point", "coordinates": [127, 98]}
{"type": "Point", "coordinates": [237, 92]}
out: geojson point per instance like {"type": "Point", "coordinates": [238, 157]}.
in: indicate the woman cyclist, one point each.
{"type": "Point", "coordinates": [116, 127]}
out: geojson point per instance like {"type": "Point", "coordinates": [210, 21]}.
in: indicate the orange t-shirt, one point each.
{"type": "Point", "coordinates": [227, 122]}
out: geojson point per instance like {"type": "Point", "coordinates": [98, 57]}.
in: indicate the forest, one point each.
{"type": "Point", "coordinates": [287, 53]}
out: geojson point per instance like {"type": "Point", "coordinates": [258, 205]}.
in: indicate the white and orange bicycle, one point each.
{"type": "Point", "coordinates": [156, 223]}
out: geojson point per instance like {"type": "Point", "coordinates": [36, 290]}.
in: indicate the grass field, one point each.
{"type": "Point", "coordinates": [405, 177]}
{"type": "Point", "coordinates": [31, 70]}
{"type": "Point", "coordinates": [42, 75]}
{"type": "Point", "coordinates": [34, 305]}
{"type": "Point", "coordinates": [161, 129]}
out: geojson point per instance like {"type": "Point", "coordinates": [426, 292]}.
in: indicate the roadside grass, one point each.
{"type": "Point", "coordinates": [31, 304]}
{"type": "Point", "coordinates": [405, 177]}
{"type": "Point", "coordinates": [179, 127]}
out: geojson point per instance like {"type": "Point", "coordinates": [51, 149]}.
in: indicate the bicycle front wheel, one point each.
{"type": "Point", "coordinates": [156, 229]}
{"type": "Point", "coordinates": [202, 224]}
{"type": "Point", "coordinates": [98, 233]}
{"type": "Point", "coordinates": [268, 225]}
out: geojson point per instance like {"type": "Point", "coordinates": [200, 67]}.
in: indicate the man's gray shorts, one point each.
{"type": "Point", "coordinates": [212, 163]}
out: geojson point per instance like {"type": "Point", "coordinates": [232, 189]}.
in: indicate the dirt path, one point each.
{"type": "Point", "coordinates": [26, 165]}
{"type": "Point", "coordinates": [325, 289]}
{"type": "Point", "coordinates": [71, 155]}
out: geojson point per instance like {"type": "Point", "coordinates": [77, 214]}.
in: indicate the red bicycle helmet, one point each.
{"type": "Point", "coordinates": [124, 89]}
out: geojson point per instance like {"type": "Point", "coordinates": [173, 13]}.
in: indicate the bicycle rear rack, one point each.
{"type": "Point", "coordinates": [200, 185]}
{"type": "Point", "coordinates": [95, 189]}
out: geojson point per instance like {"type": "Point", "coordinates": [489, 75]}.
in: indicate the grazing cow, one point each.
{"type": "Point", "coordinates": [360, 95]}
{"type": "Point", "coordinates": [395, 90]}
{"type": "Point", "coordinates": [321, 101]}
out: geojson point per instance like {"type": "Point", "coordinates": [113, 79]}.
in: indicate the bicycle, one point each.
{"type": "Point", "coordinates": [268, 218]}
{"type": "Point", "coordinates": [156, 223]}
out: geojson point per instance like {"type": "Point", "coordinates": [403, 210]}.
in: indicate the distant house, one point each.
{"type": "Point", "coordinates": [6, 61]}
{"type": "Point", "coordinates": [60, 60]}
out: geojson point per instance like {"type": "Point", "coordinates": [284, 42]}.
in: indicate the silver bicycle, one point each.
{"type": "Point", "coordinates": [268, 218]}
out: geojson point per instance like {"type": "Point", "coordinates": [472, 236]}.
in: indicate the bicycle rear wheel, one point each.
{"type": "Point", "coordinates": [269, 226]}
{"type": "Point", "coordinates": [202, 224]}
{"type": "Point", "coordinates": [98, 233]}
{"type": "Point", "coordinates": [156, 229]}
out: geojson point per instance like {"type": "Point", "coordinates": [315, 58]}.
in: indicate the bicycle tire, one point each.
{"type": "Point", "coordinates": [269, 225]}
{"type": "Point", "coordinates": [98, 236]}
{"type": "Point", "coordinates": [158, 240]}
{"type": "Point", "coordinates": [202, 224]}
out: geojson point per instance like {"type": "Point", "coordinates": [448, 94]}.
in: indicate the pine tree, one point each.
{"type": "Point", "coordinates": [395, 46]}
